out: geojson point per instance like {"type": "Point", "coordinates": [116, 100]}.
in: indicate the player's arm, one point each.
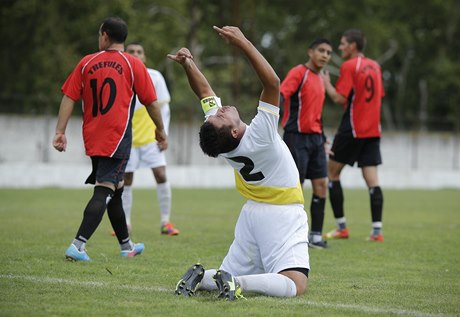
{"type": "Point", "coordinates": [65, 111]}
{"type": "Point", "coordinates": [198, 82]}
{"type": "Point", "coordinates": [270, 81]}
{"type": "Point", "coordinates": [196, 79]}
{"type": "Point", "coordinates": [332, 93]}
{"type": "Point", "coordinates": [154, 110]}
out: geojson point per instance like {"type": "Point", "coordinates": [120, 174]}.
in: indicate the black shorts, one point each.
{"type": "Point", "coordinates": [107, 169]}
{"type": "Point", "coordinates": [348, 150]}
{"type": "Point", "coordinates": [308, 153]}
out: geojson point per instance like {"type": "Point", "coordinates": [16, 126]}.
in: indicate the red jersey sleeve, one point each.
{"type": "Point", "coordinates": [344, 84]}
{"type": "Point", "coordinates": [72, 87]}
{"type": "Point", "coordinates": [143, 85]}
{"type": "Point", "coordinates": [292, 81]}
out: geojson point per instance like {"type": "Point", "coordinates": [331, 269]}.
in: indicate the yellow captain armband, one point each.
{"type": "Point", "coordinates": [209, 103]}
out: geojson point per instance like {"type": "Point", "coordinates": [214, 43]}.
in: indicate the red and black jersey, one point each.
{"type": "Point", "coordinates": [360, 81]}
{"type": "Point", "coordinates": [107, 82]}
{"type": "Point", "coordinates": [303, 97]}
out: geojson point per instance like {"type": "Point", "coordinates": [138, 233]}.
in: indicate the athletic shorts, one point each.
{"type": "Point", "coordinates": [348, 150]}
{"type": "Point", "coordinates": [308, 153]}
{"type": "Point", "coordinates": [145, 156]}
{"type": "Point", "coordinates": [268, 239]}
{"type": "Point", "coordinates": [107, 169]}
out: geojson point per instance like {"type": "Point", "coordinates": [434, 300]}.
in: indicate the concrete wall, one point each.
{"type": "Point", "coordinates": [27, 159]}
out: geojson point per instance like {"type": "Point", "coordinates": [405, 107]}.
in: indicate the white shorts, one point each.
{"type": "Point", "coordinates": [145, 156]}
{"type": "Point", "coordinates": [268, 239]}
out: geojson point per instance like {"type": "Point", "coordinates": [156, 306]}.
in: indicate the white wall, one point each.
{"type": "Point", "coordinates": [27, 159]}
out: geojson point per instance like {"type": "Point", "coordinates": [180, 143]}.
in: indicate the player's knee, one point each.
{"type": "Point", "coordinates": [301, 287]}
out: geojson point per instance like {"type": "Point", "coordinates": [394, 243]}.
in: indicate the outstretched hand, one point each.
{"type": "Point", "coordinates": [181, 56]}
{"type": "Point", "coordinates": [231, 34]}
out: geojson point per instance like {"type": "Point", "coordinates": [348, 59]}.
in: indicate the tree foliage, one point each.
{"type": "Point", "coordinates": [415, 42]}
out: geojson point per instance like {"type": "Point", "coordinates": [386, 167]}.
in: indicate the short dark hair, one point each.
{"type": "Point", "coordinates": [214, 141]}
{"type": "Point", "coordinates": [319, 41]}
{"type": "Point", "coordinates": [116, 29]}
{"type": "Point", "coordinates": [356, 36]}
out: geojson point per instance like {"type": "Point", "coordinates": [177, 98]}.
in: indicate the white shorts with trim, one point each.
{"type": "Point", "coordinates": [268, 239]}
{"type": "Point", "coordinates": [145, 156]}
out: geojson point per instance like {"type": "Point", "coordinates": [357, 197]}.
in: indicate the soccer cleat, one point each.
{"type": "Point", "coordinates": [228, 287]}
{"type": "Point", "coordinates": [168, 229]}
{"type": "Point", "coordinates": [318, 245]}
{"type": "Point", "coordinates": [376, 237]}
{"type": "Point", "coordinates": [190, 281]}
{"type": "Point", "coordinates": [136, 250]}
{"type": "Point", "coordinates": [337, 234]}
{"type": "Point", "coordinates": [73, 254]}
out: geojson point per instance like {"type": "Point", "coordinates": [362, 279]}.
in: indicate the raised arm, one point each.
{"type": "Point", "coordinates": [196, 79]}
{"type": "Point", "coordinates": [270, 81]}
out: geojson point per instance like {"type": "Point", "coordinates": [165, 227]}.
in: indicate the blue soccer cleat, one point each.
{"type": "Point", "coordinates": [136, 250]}
{"type": "Point", "coordinates": [73, 254]}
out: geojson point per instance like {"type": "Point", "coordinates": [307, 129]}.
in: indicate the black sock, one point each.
{"type": "Point", "coordinates": [92, 216]}
{"type": "Point", "coordinates": [117, 217]}
{"type": "Point", "coordinates": [336, 198]}
{"type": "Point", "coordinates": [376, 203]}
{"type": "Point", "coordinates": [317, 213]}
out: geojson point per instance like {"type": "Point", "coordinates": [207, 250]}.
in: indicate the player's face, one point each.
{"type": "Point", "coordinates": [345, 48]}
{"type": "Point", "coordinates": [136, 50]}
{"type": "Point", "coordinates": [103, 40]}
{"type": "Point", "coordinates": [225, 116]}
{"type": "Point", "coordinates": [320, 55]}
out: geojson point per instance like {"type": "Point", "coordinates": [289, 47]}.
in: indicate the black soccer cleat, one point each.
{"type": "Point", "coordinates": [229, 288]}
{"type": "Point", "coordinates": [190, 281]}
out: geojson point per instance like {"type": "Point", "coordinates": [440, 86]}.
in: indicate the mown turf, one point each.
{"type": "Point", "coordinates": [414, 273]}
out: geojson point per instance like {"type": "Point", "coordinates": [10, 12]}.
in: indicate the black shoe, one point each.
{"type": "Point", "coordinates": [190, 281]}
{"type": "Point", "coordinates": [318, 245]}
{"type": "Point", "coordinates": [229, 288]}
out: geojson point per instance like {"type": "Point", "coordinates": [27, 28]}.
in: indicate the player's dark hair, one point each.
{"type": "Point", "coordinates": [356, 36]}
{"type": "Point", "coordinates": [319, 41]}
{"type": "Point", "coordinates": [214, 141]}
{"type": "Point", "coordinates": [116, 29]}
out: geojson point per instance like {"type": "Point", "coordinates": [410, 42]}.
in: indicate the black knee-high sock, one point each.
{"type": "Point", "coordinates": [376, 203]}
{"type": "Point", "coordinates": [336, 198]}
{"type": "Point", "coordinates": [117, 217]}
{"type": "Point", "coordinates": [92, 216]}
{"type": "Point", "coordinates": [317, 214]}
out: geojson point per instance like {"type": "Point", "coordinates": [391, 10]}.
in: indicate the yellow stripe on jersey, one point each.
{"type": "Point", "coordinates": [143, 127]}
{"type": "Point", "coordinates": [268, 194]}
{"type": "Point", "coordinates": [261, 107]}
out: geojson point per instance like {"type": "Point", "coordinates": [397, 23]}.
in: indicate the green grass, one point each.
{"type": "Point", "coordinates": [415, 272]}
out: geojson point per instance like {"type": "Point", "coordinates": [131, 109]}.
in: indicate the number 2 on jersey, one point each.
{"type": "Point", "coordinates": [97, 95]}
{"type": "Point", "coordinates": [247, 169]}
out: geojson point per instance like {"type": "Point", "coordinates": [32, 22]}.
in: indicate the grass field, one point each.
{"type": "Point", "coordinates": [416, 272]}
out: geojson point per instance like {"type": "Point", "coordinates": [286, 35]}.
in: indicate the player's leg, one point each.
{"type": "Point", "coordinates": [127, 197]}
{"type": "Point", "coordinates": [156, 160]}
{"type": "Point", "coordinates": [117, 219]}
{"type": "Point", "coordinates": [317, 206]}
{"type": "Point", "coordinates": [317, 173]}
{"type": "Point", "coordinates": [270, 253]}
{"type": "Point", "coordinates": [336, 198]}
{"type": "Point", "coordinates": [368, 161]}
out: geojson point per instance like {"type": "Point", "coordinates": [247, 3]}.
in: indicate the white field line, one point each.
{"type": "Point", "coordinates": [352, 307]}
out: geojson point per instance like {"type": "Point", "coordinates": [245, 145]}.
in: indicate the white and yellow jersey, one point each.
{"type": "Point", "coordinates": [264, 168]}
{"type": "Point", "coordinates": [143, 126]}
